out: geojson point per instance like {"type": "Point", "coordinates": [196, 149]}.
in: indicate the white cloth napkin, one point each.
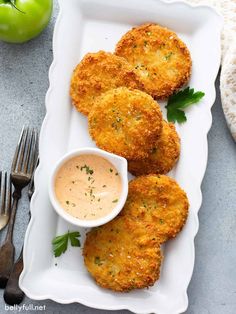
{"type": "Point", "coordinates": [228, 62]}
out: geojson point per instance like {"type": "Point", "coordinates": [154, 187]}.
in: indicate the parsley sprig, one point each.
{"type": "Point", "coordinates": [60, 243]}
{"type": "Point", "coordinates": [179, 101]}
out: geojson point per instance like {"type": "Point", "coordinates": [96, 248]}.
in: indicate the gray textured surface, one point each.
{"type": "Point", "coordinates": [23, 84]}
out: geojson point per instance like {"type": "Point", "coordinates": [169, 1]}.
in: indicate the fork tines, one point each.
{"type": "Point", "coordinates": [26, 152]}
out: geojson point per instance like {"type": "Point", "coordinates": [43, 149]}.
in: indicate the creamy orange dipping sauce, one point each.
{"type": "Point", "coordinates": [88, 187]}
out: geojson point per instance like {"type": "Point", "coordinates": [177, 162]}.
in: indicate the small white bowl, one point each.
{"type": "Point", "coordinates": [118, 162]}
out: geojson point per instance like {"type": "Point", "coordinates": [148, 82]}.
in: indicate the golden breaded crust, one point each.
{"type": "Point", "coordinates": [123, 255]}
{"type": "Point", "coordinates": [125, 122]}
{"type": "Point", "coordinates": [162, 158]}
{"type": "Point", "coordinates": [158, 55]}
{"type": "Point", "coordinates": [157, 200]}
{"type": "Point", "coordinates": [97, 73]}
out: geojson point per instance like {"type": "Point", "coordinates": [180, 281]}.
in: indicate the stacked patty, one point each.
{"type": "Point", "coordinates": [162, 158]}
{"type": "Point", "coordinates": [126, 122]}
{"type": "Point", "coordinates": [125, 254]}
{"type": "Point", "coordinates": [159, 56]}
{"type": "Point", "coordinates": [98, 73]}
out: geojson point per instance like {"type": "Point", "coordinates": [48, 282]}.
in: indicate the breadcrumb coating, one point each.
{"type": "Point", "coordinates": [163, 157]}
{"type": "Point", "coordinates": [125, 122]}
{"type": "Point", "coordinates": [123, 255]}
{"type": "Point", "coordinates": [98, 73]}
{"type": "Point", "coordinates": [157, 200]}
{"type": "Point", "coordinates": [159, 56]}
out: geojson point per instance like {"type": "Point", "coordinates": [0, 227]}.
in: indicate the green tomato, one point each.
{"type": "Point", "coordinates": [22, 20]}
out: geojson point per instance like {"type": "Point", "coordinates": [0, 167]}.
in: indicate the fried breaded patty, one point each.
{"type": "Point", "coordinates": [160, 58]}
{"type": "Point", "coordinates": [97, 73]}
{"type": "Point", "coordinates": [125, 122]}
{"type": "Point", "coordinates": [163, 157]}
{"type": "Point", "coordinates": [123, 255]}
{"type": "Point", "coordinates": [157, 200]}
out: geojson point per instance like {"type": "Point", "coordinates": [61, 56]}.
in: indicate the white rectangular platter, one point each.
{"type": "Point", "coordinates": [88, 26]}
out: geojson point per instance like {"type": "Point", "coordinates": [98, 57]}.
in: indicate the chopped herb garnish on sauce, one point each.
{"type": "Point", "coordinates": [87, 169]}
{"type": "Point", "coordinates": [96, 188]}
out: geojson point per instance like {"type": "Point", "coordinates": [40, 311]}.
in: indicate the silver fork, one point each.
{"type": "Point", "coordinates": [21, 172]}
{"type": "Point", "coordinates": [5, 196]}
{"type": "Point", "coordinates": [13, 293]}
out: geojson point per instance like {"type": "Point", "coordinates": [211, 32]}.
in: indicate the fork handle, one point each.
{"type": "Point", "coordinates": [13, 294]}
{"type": "Point", "coordinates": [16, 197]}
{"type": "Point", "coordinates": [7, 250]}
